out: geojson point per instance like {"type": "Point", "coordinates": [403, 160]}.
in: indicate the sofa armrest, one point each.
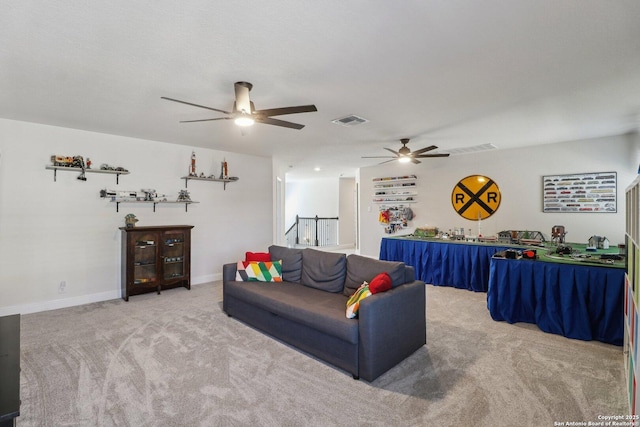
{"type": "Point", "coordinates": [392, 325]}
{"type": "Point", "coordinates": [228, 275]}
{"type": "Point", "coordinates": [409, 274]}
{"type": "Point", "coordinates": [229, 272]}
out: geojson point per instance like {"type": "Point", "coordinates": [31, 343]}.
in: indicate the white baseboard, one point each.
{"type": "Point", "coordinates": [59, 303]}
{"type": "Point", "coordinates": [56, 304]}
{"type": "Point", "coordinates": [206, 279]}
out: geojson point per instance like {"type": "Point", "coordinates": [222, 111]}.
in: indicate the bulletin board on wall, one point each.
{"type": "Point", "coordinates": [594, 192]}
{"type": "Point", "coordinates": [394, 196]}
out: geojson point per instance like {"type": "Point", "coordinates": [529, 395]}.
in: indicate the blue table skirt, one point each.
{"type": "Point", "coordinates": [582, 302]}
{"type": "Point", "coordinates": [460, 265]}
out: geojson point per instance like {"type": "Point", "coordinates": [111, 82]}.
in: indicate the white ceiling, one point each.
{"type": "Point", "coordinates": [452, 73]}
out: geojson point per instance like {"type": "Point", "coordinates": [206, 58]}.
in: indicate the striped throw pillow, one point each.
{"type": "Point", "coordinates": [353, 304]}
{"type": "Point", "coordinates": [259, 271]}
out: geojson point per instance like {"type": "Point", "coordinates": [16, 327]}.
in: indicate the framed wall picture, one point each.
{"type": "Point", "coordinates": [580, 193]}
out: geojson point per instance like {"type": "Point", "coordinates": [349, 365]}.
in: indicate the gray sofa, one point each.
{"type": "Point", "coordinates": [308, 309]}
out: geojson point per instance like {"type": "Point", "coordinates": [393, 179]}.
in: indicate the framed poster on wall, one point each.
{"type": "Point", "coordinates": [580, 193]}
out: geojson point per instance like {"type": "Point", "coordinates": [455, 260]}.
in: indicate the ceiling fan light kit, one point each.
{"type": "Point", "coordinates": [405, 155]}
{"type": "Point", "coordinates": [244, 121]}
{"type": "Point", "coordinates": [244, 113]}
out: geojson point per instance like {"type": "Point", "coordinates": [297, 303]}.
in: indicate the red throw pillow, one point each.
{"type": "Point", "coordinates": [380, 283]}
{"type": "Point", "coordinates": [257, 256]}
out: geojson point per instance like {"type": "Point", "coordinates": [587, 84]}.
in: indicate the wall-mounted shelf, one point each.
{"type": "Point", "coordinates": [395, 200]}
{"type": "Point", "coordinates": [153, 202]}
{"type": "Point", "coordinates": [55, 170]}
{"type": "Point", "coordinates": [395, 181]}
{"type": "Point", "coordinates": [197, 178]}
{"type": "Point", "coordinates": [395, 190]}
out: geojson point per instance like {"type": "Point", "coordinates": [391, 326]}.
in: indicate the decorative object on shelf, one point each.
{"type": "Point", "coordinates": [192, 166]}
{"type": "Point", "coordinates": [183, 196]}
{"type": "Point", "coordinates": [150, 195]}
{"type": "Point", "coordinates": [224, 171]}
{"type": "Point", "coordinates": [144, 196]}
{"type": "Point", "coordinates": [108, 167]}
{"type": "Point", "coordinates": [77, 163]}
{"type": "Point", "coordinates": [476, 197]}
{"type": "Point", "coordinates": [580, 193]}
{"type": "Point", "coordinates": [66, 161]}
{"type": "Point", "coordinates": [130, 220]}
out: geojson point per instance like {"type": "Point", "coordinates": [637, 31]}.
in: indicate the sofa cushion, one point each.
{"type": "Point", "coordinates": [291, 262]}
{"type": "Point", "coordinates": [257, 256]}
{"type": "Point", "coordinates": [361, 269]}
{"type": "Point", "coordinates": [323, 270]}
{"type": "Point", "coordinates": [258, 271]}
{"type": "Point", "coordinates": [353, 303]}
{"type": "Point", "coordinates": [320, 310]}
{"type": "Point", "coordinates": [380, 283]}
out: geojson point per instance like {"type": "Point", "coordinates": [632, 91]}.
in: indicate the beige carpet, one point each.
{"type": "Point", "coordinates": [177, 360]}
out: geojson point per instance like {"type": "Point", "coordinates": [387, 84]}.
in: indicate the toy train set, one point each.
{"type": "Point", "coordinates": [534, 245]}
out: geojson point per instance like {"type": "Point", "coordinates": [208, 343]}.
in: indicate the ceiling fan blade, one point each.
{"type": "Point", "coordinates": [195, 105]}
{"type": "Point", "coordinates": [287, 110]}
{"type": "Point", "coordinates": [425, 149]}
{"type": "Point", "coordinates": [422, 156]}
{"type": "Point", "coordinates": [394, 152]}
{"type": "Point", "coordinates": [392, 160]}
{"type": "Point", "coordinates": [205, 120]}
{"type": "Point", "coordinates": [378, 157]}
{"type": "Point", "coordinates": [416, 161]}
{"type": "Point", "coordinates": [243, 102]}
{"type": "Point", "coordinates": [276, 122]}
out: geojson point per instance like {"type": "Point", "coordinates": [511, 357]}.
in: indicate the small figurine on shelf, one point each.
{"type": "Point", "coordinates": [130, 220]}
{"type": "Point", "coordinates": [224, 171]}
{"type": "Point", "coordinates": [88, 163]}
{"type": "Point", "coordinates": [149, 195]}
{"type": "Point", "coordinates": [184, 196]}
{"type": "Point", "coordinates": [192, 171]}
{"type": "Point", "coordinates": [78, 162]}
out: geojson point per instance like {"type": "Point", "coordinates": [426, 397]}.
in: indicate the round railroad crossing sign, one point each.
{"type": "Point", "coordinates": [476, 197]}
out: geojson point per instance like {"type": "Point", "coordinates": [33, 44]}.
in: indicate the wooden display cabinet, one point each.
{"type": "Point", "coordinates": [155, 258]}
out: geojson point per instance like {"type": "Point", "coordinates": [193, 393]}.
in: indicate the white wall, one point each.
{"type": "Point", "coordinates": [518, 173]}
{"type": "Point", "coordinates": [347, 212]}
{"type": "Point", "coordinates": [311, 197]}
{"type": "Point", "coordinates": [63, 231]}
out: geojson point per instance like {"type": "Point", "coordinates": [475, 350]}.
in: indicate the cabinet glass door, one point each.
{"type": "Point", "coordinates": [174, 255]}
{"type": "Point", "coordinates": [145, 270]}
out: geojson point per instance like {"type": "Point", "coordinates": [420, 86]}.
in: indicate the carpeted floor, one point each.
{"type": "Point", "coordinates": [177, 360]}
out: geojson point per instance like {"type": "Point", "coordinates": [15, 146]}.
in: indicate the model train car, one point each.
{"type": "Point", "coordinates": [519, 237]}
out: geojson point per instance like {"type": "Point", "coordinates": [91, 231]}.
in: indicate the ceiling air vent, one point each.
{"type": "Point", "coordinates": [350, 121]}
{"type": "Point", "coordinates": [472, 149]}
